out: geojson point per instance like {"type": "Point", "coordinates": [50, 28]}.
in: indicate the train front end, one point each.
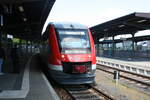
{"type": "Point", "coordinates": [72, 59]}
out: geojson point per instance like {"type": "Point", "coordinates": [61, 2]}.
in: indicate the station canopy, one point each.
{"type": "Point", "coordinates": [128, 24]}
{"type": "Point", "coordinates": [136, 39]}
{"type": "Point", "coordinates": [24, 18]}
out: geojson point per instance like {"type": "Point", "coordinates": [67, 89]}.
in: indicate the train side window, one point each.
{"type": "Point", "coordinates": [49, 49]}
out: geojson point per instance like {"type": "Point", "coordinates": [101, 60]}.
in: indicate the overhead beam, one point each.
{"type": "Point", "coordinates": [16, 1]}
{"type": "Point", "coordinates": [140, 26]}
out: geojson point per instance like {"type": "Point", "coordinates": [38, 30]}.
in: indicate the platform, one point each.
{"type": "Point", "coordinates": [35, 85]}
{"type": "Point", "coordinates": [12, 80]}
{"type": "Point", "coordinates": [118, 90]}
{"type": "Point", "coordinates": [136, 65]}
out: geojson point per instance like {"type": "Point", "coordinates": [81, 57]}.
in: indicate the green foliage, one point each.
{"type": "Point", "coordinates": [16, 40]}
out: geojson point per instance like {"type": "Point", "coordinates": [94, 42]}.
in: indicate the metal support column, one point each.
{"type": "Point", "coordinates": [98, 49]}
{"type": "Point", "coordinates": [31, 47]}
{"type": "Point", "coordinates": [133, 44]}
{"type": "Point", "coordinates": [136, 46]}
{"type": "Point", "coordinates": [113, 46]}
{"type": "Point", "coordinates": [26, 46]}
{"type": "Point", "coordinates": [102, 47]}
{"type": "Point", "coordinates": [20, 46]}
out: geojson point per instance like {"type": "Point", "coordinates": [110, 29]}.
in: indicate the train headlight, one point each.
{"type": "Point", "coordinates": [63, 56]}
{"type": "Point", "coordinates": [89, 56]}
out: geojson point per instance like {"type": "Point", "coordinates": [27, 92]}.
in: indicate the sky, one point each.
{"type": "Point", "coordinates": [93, 12]}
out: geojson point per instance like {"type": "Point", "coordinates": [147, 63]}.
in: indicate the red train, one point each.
{"type": "Point", "coordinates": [70, 53]}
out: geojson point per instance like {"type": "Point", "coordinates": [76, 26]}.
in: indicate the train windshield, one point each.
{"type": "Point", "coordinates": [74, 41]}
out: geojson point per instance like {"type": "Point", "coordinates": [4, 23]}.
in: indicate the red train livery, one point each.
{"type": "Point", "coordinates": [70, 53]}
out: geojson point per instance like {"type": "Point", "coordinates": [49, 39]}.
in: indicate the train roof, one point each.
{"type": "Point", "coordinates": [68, 25]}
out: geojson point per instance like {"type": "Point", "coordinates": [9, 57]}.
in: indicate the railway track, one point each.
{"type": "Point", "coordinates": [137, 80]}
{"type": "Point", "coordinates": [86, 92]}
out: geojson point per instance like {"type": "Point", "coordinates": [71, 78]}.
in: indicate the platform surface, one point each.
{"type": "Point", "coordinates": [39, 87]}
{"type": "Point", "coordinates": [139, 62]}
{"type": "Point", "coordinates": [118, 90]}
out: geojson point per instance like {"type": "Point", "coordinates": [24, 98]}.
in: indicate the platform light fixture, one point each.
{"type": "Point", "coordinates": [21, 9]}
{"type": "Point", "coordinates": [105, 29]}
{"type": "Point", "coordinates": [25, 19]}
{"type": "Point", "coordinates": [2, 21]}
{"type": "Point", "coordinates": [9, 36]}
{"type": "Point", "coordinates": [102, 39]}
{"type": "Point", "coordinates": [140, 21]}
{"type": "Point", "coordinates": [120, 26]}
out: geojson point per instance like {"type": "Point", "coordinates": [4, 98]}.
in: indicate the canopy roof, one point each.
{"type": "Point", "coordinates": [136, 39]}
{"type": "Point", "coordinates": [24, 18]}
{"type": "Point", "coordinates": [128, 24]}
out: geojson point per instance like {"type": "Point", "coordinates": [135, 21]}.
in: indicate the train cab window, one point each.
{"type": "Point", "coordinates": [48, 49]}
{"type": "Point", "coordinates": [74, 41]}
